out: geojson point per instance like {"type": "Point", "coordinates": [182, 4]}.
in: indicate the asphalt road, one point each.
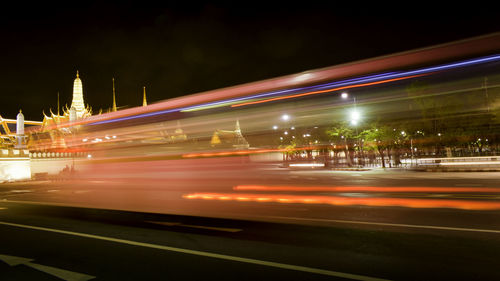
{"type": "Point", "coordinates": [43, 236]}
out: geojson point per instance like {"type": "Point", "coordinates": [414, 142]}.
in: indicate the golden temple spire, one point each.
{"type": "Point", "coordinates": [114, 98]}
{"type": "Point", "coordinates": [57, 103]}
{"type": "Point", "coordinates": [144, 102]}
{"type": "Point", "coordinates": [77, 101]}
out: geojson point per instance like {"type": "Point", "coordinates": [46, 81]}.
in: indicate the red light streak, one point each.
{"type": "Point", "coordinates": [350, 201]}
{"type": "Point", "coordinates": [368, 188]}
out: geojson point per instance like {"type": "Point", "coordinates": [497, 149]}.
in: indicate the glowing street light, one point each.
{"type": "Point", "coordinates": [285, 117]}
{"type": "Point", "coordinates": [355, 117]}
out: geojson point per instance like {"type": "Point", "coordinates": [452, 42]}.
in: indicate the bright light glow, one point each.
{"type": "Point", "coordinates": [307, 165]}
{"type": "Point", "coordinates": [355, 116]}
{"type": "Point", "coordinates": [16, 170]}
{"type": "Point", "coordinates": [344, 95]}
{"type": "Point", "coordinates": [285, 117]}
{"type": "Point", "coordinates": [275, 127]}
{"type": "Point", "coordinates": [303, 77]}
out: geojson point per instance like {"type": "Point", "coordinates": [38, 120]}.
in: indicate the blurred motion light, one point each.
{"type": "Point", "coordinates": [303, 77]}
{"type": "Point", "coordinates": [355, 116]}
{"type": "Point", "coordinates": [285, 117]}
{"type": "Point", "coordinates": [344, 95]}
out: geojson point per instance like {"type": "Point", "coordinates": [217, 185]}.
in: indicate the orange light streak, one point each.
{"type": "Point", "coordinates": [350, 201]}
{"type": "Point", "coordinates": [242, 152]}
{"type": "Point", "coordinates": [328, 90]}
{"type": "Point", "coordinates": [368, 188]}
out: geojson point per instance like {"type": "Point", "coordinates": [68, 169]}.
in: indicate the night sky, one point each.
{"type": "Point", "coordinates": [176, 50]}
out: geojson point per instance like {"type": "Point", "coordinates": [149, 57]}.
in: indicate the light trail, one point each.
{"type": "Point", "coordinates": [368, 188]}
{"type": "Point", "coordinates": [325, 91]}
{"type": "Point", "coordinates": [350, 201]}
{"type": "Point", "coordinates": [388, 78]}
{"type": "Point", "coordinates": [195, 102]}
{"type": "Point", "coordinates": [242, 152]}
{"type": "Point", "coordinates": [358, 82]}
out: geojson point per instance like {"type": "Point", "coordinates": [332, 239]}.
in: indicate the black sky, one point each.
{"type": "Point", "coordinates": [181, 49]}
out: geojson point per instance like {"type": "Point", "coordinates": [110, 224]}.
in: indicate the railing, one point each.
{"type": "Point", "coordinates": [459, 163]}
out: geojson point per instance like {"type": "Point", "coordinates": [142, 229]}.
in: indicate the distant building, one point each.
{"type": "Point", "coordinates": [229, 139]}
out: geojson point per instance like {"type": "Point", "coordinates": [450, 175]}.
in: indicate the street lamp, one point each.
{"type": "Point", "coordinates": [345, 95]}
{"type": "Point", "coordinates": [355, 116]}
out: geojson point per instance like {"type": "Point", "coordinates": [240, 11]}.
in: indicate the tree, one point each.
{"type": "Point", "coordinates": [343, 135]}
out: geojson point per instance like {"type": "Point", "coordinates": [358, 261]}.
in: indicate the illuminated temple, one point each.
{"type": "Point", "coordinates": [52, 135]}
{"type": "Point", "coordinates": [229, 139]}
{"type": "Point", "coordinates": [76, 111]}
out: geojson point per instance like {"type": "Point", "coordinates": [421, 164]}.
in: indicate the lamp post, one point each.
{"type": "Point", "coordinates": [284, 138]}
{"type": "Point", "coordinates": [355, 117]}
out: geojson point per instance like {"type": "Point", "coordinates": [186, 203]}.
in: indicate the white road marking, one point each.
{"type": "Point", "coordinates": [60, 273]}
{"type": "Point", "coordinates": [203, 254]}
{"type": "Point", "coordinates": [392, 224]}
{"type": "Point", "coordinates": [13, 261]}
{"type": "Point", "coordinates": [196, 226]}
